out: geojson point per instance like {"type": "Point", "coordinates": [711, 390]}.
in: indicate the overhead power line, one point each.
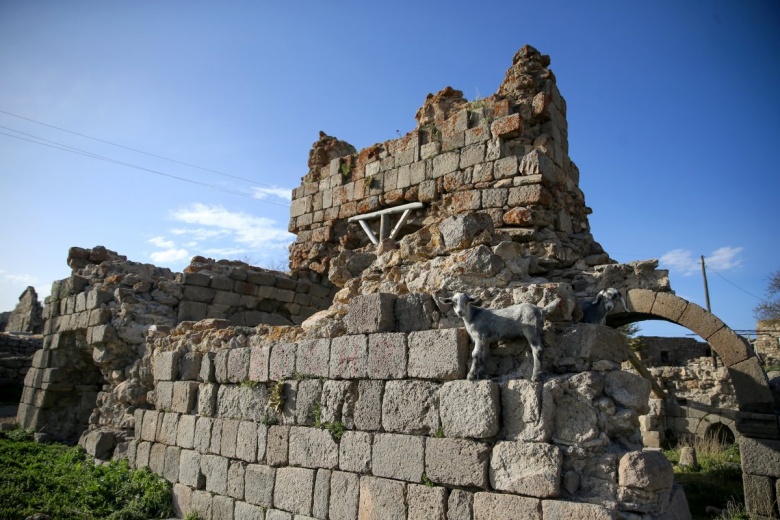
{"type": "Point", "coordinates": [139, 151]}
{"type": "Point", "coordinates": [737, 286]}
{"type": "Point", "coordinates": [71, 149]}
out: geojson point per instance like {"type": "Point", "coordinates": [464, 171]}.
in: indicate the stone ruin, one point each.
{"type": "Point", "coordinates": [20, 337]}
{"type": "Point", "coordinates": [27, 317]}
{"type": "Point", "coordinates": [339, 391]}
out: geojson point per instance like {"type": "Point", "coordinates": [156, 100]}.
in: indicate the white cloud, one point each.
{"type": "Point", "coordinates": [17, 279]}
{"type": "Point", "coordinates": [161, 242]}
{"type": "Point", "coordinates": [247, 230]}
{"type": "Point", "coordinates": [724, 258]}
{"type": "Point", "coordinates": [169, 255]}
{"type": "Point", "coordinates": [280, 193]}
{"type": "Point", "coordinates": [684, 261]}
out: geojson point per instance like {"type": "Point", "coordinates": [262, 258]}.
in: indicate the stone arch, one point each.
{"type": "Point", "coordinates": [714, 425]}
{"type": "Point", "coordinates": [749, 379]}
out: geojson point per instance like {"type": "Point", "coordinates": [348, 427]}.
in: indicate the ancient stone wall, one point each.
{"type": "Point", "coordinates": [379, 422]}
{"type": "Point", "coordinates": [16, 354]}
{"type": "Point", "coordinates": [91, 370]}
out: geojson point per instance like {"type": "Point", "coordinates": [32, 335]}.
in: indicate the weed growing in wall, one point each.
{"type": "Point", "coordinates": [276, 399]}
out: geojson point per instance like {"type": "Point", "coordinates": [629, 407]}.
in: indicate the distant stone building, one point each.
{"type": "Point", "coordinates": [767, 342]}
{"type": "Point", "coordinates": [27, 316]}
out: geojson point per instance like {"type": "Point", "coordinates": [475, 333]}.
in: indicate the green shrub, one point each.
{"type": "Point", "coordinates": [64, 483]}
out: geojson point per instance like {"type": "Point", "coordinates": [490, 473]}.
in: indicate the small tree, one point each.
{"type": "Point", "coordinates": [769, 309]}
{"type": "Point", "coordinates": [630, 330]}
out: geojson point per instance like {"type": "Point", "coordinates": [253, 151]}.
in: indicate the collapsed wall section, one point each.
{"type": "Point", "coordinates": [382, 424]}
{"type": "Point", "coordinates": [91, 371]}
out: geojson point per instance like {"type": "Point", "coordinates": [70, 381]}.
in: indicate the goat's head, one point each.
{"type": "Point", "coordinates": [460, 303]}
{"type": "Point", "coordinates": [610, 297]}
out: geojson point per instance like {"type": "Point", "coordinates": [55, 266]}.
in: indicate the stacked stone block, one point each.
{"type": "Point", "coordinates": [250, 297]}
{"type": "Point", "coordinates": [379, 423]}
{"type": "Point", "coordinates": [16, 356]}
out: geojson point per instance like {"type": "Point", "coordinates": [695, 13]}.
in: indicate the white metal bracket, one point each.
{"type": "Point", "coordinates": [384, 221]}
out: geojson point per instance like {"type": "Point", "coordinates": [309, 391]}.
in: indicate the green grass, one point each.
{"type": "Point", "coordinates": [717, 482]}
{"type": "Point", "coordinates": [63, 483]}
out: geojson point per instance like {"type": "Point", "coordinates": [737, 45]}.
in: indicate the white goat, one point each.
{"type": "Point", "coordinates": [486, 326]}
{"type": "Point", "coordinates": [597, 310]}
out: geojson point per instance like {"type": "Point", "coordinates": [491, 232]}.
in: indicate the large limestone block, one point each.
{"type": "Point", "coordinates": [236, 479]}
{"type": "Point", "coordinates": [387, 356]}
{"type": "Point", "coordinates": [646, 479]}
{"type": "Point", "coordinates": [459, 505]}
{"type": "Point", "coordinates": [526, 468]}
{"type": "Point", "coordinates": [215, 469]}
{"type": "Point", "coordinates": [259, 359]}
{"type": "Point", "coordinates": [246, 441]}
{"type": "Point", "coordinates": [165, 366]}
{"type": "Point", "coordinates": [185, 396]}
{"type": "Point", "coordinates": [368, 408]}
{"type": "Point", "coordinates": [242, 402]}
{"type": "Point", "coordinates": [494, 506]}
{"type": "Point", "coordinates": [760, 456]}
{"type": "Point", "coordinates": [628, 389]}
{"type": "Point", "coordinates": [349, 357]}
{"type": "Point", "coordinates": [370, 313]}
{"type": "Point", "coordinates": [313, 448]}
{"type": "Point", "coordinates": [201, 503]}
{"type": "Point", "coordinates": [222, 507]}
{"type": "Point", "coordinates": [344, 496]}
{"type": "Point", "coordinates": [182, 500]}
{"type": "Point", "coordinates": [355, 452]}
{"type": "Point", "coordinates": [189, 469]}
{"type": "Point", "coordinates": [584, 344]}
{"type": "Point", "coordinates": [244, 511]}
{"type": "Point", "coordinates": [381, 499]}
{"type": "Point", "coordinates": [278, 442]}
{"type": "Point", "coordinates": [415, 311]}
{"type": "Point", "coordinates": [411, 407]}
{"type": "Point", "coordinates": [313, 357]}
{"type": "Point", "coordinates": [576, 422]}
{"type": "Point", "coordinates": [398, 456]}
{"type": "Point", "coordinates": [282, 361]}
{"type": "Point", "coordinates": [171, 467]}
{"type": "Point", "coordinates": [98, 443]}
{"type": "Point", "coordinates": [294, 489]}
{"type": "Point", "coordinates": [527, 411]}
{"type": "Point", "coordinates": [238, 365]}
{"type": "Point", "coordinates": [440, 354]}
{"type": "Point", "coordinates": [575, 510]}
{"type": "Point", "coordinates": [185, 433]}
{"type": "Point", "coordinates": [338, 402]}
{"type": "Point", "coordinates": [469, 408]}
{"type": "Point", "coordinates": [752, 386]}
{"type": "Point", "coordinates": [457, 462]}
{"type": "Point", "coordinates": [321, 497]}
{"type": "Point", "coordinates": [426, 502]}
{"type": "Point", "coordinates": [461, 231]}
{"type": "Point", "coordinates": [259, 483]}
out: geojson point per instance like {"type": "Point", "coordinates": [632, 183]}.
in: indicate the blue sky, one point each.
{"type": "Point", "coordinates": [672, 110]}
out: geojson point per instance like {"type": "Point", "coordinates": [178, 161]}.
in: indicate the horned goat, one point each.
{"type": "Point", "coordinates": [597, 310]}
{"type": "Point", "coordinates": [487, 326]}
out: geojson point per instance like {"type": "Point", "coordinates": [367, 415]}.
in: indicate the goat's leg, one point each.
{"type": "Point", "coordinates": [534, 338]}
{"type": "Point", "coordinates": [477, 358]}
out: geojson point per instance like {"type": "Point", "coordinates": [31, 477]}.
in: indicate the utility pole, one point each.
{"type": "Point", "coordinates": [709, 309]}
